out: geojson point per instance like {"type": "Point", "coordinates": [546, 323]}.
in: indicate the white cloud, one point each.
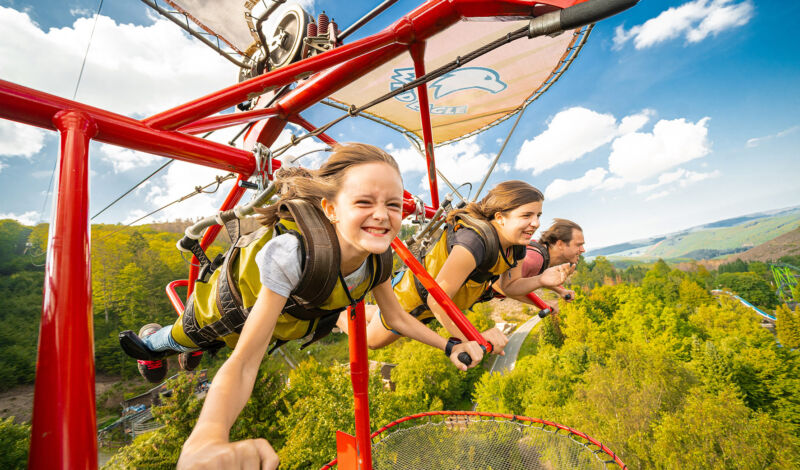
{"type": "Point", "coordinates": [460, 162]}
{"type": "Point", "coordinates": [2, 165]}
{"type": "Point", "coordinates": [637, 156]}
{"type": "Point", "coordinates": [124, 159]}
{"type": "Point", "coordinates": [694, 20]}
{"type": "Point", "coordinates": [680, 176]}
{"type": "Point", "coordinates": [560, 187]}
{"type": "Point", "coordinates": [571, 134]}
{"type": "Point", "coordinates": [20, 139]}
{"type": "Point", "coordinates": [658, 195]}
{"type": "Point", "coordinates": [28, 218]}
{"type": "Point", "coordinates": [756, 141]}
{"type": "Point", "coordinates": [130, 69]}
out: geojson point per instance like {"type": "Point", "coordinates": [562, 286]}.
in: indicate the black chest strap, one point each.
{"type": "Point", "coordinates": [544, 251]}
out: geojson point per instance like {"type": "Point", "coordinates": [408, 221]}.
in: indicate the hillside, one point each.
{"type": "Point", "coordinates": [712, 240]}
{"type": "Point", "coordinates": [787, 244]}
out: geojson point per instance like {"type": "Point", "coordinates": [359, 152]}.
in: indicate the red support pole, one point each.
{"type": "Point", "coordinates": [452, 311]}
{"type": "Point", "coordinates": [359, 374]}
{"type": "Point", "coordinates": [64, 433]}
{"type": "Point", "coordinates": [417, 50]}
{"type": "Point", "coordinates": [227, 120]}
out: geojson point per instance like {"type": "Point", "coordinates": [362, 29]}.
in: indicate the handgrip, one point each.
{"type": "Point", "coordinates": [545, 312]}
{"type": "Point", "coordinates": [592, 11]}
{"type": "Point", "coordinates": [465, 358]}
{"type": "Point", "coordinates": [568, 297]}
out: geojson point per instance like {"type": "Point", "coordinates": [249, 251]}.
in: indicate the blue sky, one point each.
{"type": "Point", "coordinates": [676, 113]}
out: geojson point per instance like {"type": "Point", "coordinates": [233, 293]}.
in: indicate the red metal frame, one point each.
{"type": "Point", "coordinates": [418, 55]}
{"type": "Point", "coordinates": [64, 422]}
{"type": "Point", "coordinates": [64, 431]}
{"type": "Point", "coordinates": [174, 297]}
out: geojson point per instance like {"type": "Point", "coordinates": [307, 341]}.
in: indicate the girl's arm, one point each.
{"type": "Point", "coordinates": [451, 277]}
{"type": "Point", "coordinates": [409, 326]}
{"type": "Point", "coordinates": [208, 445]}
{"type": "Point", "coordinates": [513, 284]}
{"type": "Point", "coordinates": [455, 270]}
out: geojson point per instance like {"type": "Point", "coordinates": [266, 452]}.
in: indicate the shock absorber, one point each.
{"type": "Point", "coordinates": [322, 24]}
{"type": "Point", "coordinates": [311, 29]}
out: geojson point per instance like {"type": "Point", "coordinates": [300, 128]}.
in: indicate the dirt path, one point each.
{"type": "Point", "coordinates": [18, 402]}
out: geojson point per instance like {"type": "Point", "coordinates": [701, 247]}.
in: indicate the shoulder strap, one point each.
{"type": "Point", "coordinates": [542, 249]}
{"type": "Point", "coordinates": [489, 236]}
{"type": "Point", "coordinates": [321, 247]}
{"type": "Point", "coordinates": [383, 268]}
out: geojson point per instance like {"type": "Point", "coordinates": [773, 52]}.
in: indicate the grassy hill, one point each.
{"type": "Point", "coordinates": [713, 240]}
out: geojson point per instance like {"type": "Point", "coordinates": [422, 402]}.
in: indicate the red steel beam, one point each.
{"type": "Point", "coordinates": [418, 55]}
{"type": "Point", "coordinates": [225, 98]}
{"type": "Point", "coordinates": [455, 314]}
{"type": "Point", "coordinates": [226, 120]}
{"type": "Point", "coordinates": [64, 433]}
{"type": "Point", "coordinates": [359, 375]}
{"type": "Point", "coordinates": [37, 108]}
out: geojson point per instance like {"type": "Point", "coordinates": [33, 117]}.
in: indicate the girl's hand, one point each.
{"type": "Point", "coordinates": [556, 275]}
{"type": "Point", "coordinates": [219, 454]}
{"type": "Point", "coordinates": [498, 340]}
{"type": "Point", "coordinates": [470, 347]}
{"type": "Point", "coordinates": [568, 295]}
{"type": "Point", "coordinates": [553, 306]}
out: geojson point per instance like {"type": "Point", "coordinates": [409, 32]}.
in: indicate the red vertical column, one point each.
{"type": "Point", "coordinates": [359, 374]}
{"type": "Point", "coordinates": [64, 434]}
{"type": "Point", "coordinates": [418, 54]}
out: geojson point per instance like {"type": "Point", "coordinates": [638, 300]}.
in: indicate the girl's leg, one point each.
{"type": "Point", "coordinates": [162, 340]}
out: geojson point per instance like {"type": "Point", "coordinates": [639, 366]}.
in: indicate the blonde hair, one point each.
{"type": "Point", "coordinates": [504, 197]}
{"type": "Point", "coordinates": [313, 185]}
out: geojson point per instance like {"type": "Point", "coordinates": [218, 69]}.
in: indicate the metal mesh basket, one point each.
{"type": "Point", "coordinates": [466, 440]}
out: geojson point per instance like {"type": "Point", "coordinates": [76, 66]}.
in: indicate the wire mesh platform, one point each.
{"type": "Point", "coordinates": [466, 440]}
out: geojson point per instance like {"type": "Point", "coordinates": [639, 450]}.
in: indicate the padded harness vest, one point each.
{"type": "Point", "coordinates": [218, 309]}
{"type": "Point", "coordinates": [413, 296]}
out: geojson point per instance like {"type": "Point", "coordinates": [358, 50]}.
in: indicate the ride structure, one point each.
{"type": "Point", "coordinates": [418, 98]}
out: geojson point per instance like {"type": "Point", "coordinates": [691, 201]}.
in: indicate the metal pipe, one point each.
{"type": "Point", "coordinates": [226, 120]}
{"type": "Point", "coordinates": [227, 97]}
{"type": "Point", "coordinates": [37, 108]}
{"type": "Point", "coordinates": [452, 311]}
{"type": "Point", "coordinates": [359, 375]}
{"type": "Point", "coordinates": [417, 50]}
{"type": "Point", "coordinates": [64, 432]}
{"type": "Point", "coordinates": [366, 18]}
{"type": "Point", "coordinates": [174, 298]}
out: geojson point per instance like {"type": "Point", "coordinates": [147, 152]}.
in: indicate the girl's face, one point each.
{"type": "Point", "coordinates": [368, 208]}
{"type": "Point", "coordinates": [517, 226]}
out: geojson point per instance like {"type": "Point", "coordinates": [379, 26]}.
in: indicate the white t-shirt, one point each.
{"type": "Point", "coordinates": [279, 264]}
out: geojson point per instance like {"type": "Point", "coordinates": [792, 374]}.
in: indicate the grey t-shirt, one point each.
{"type": "Point", "coordinates": [279, 264]}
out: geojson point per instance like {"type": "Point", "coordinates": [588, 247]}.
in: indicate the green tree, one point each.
{"type": "Point", "coordinates": [717, 431]}
{"type": "Point", "coordinates": [14, 443]}
{"type": "Point", "coordinates": [749, 286]}
{"type": "Point", "coordinates": [788, 326]}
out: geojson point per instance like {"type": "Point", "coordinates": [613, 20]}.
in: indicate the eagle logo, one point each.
{"type": "Point", "coordinates": [465, 78]}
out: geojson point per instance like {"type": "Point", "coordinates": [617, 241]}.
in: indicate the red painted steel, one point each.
{"type": "Point", "coordinates": [37, 108]}
{"type": "Point", "coordinates": [297, 119]}
{"type": "Point", "coordinates": [418, 55]}
{"type": "Point", "coordinates": [174, 298]}
{"type": "Point", "coordinates": [225, 98]}
{"type": "Point", "coordinates": [359, 375]}
{"type": "Point", "coordinates": [346, 452]}
{"type": "Point", "coordinates": [228, 120]}
{"type": "Point", "coordinates": [438, 294]}
{"type": "Point", "coordinates": [64, 433]}
{"type": "Point", "coordinates": [537, 301]}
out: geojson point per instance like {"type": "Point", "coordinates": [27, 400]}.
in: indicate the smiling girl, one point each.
{"type": "Point", "coordinates": [481, 245]}
{"type": "Point", "coordinates": [356, 198]}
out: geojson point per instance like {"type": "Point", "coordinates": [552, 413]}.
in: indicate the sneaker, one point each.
{"type": "Point", "coordinates": [190, 360]}
{"type": "Point", "coordinates": [153, 371]}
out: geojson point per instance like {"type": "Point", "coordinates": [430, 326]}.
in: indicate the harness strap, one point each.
{"type": "Point", "coordinates": [322, 254]}
{"type": "Point", "coordinates": [544, 251]}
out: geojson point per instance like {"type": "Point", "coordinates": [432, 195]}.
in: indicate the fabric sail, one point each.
{"type": "Point", "coordinates": [473, 97]}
